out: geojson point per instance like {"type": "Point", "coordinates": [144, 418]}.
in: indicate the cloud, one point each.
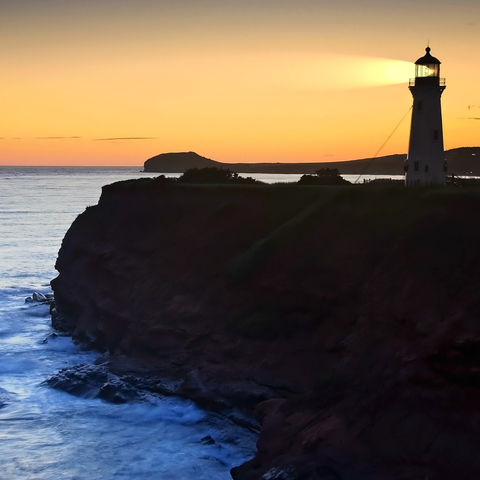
{"type": "Point", "coordinates": [124, 138]}
{"type": "Point", "coordinates": [56, 138]}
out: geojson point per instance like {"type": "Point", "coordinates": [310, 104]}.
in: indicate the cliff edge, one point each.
{"type": "Point", "coordinates": [346, 317]}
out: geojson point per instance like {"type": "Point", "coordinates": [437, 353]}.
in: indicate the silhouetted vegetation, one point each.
{"type": "Point", "coordinates": [324, 176]}
{"type": "Point", "coordinates": [214, 175]}
{"type": "Point", "coordinates": [139, 184]}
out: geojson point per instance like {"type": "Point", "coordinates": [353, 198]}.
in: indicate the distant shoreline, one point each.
{"type": "Point", "coordinates": [464, 161]}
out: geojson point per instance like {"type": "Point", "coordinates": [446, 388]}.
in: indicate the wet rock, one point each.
{"type": "Point", "coordinates": [102, 359]}
{"type": "Point", "coordinates": [116, 391]}
{"type": "Point", "coordinates": [82, 380]}
{"type": "Point", "coordinates": [37, 297]}
{"type": "Point", "coordinates": [276, 473]}
{"type": "Point", "coordinates": [94, 381]}
{"type": "Point", "coordinates": [59, 322]}
{"type": "Point", "coordinates": [52, 336]}
{"type": "Point", "coordinates": [167, 387]}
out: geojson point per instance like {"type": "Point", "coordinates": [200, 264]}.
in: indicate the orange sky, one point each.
{"type": "Point", "coordinates": [115, 82]}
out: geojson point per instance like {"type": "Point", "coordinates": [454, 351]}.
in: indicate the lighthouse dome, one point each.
{"type": "Point", "coordinates": [428, 59]}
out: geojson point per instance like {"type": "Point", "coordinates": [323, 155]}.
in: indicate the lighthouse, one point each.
{"type": "Point", "coordinates": [425, 164]}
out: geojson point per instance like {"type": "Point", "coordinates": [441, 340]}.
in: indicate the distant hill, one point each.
{"type": "Point", "coordinates": [461, 161]}
{"type": "Point", "coordinates": [178, 162]}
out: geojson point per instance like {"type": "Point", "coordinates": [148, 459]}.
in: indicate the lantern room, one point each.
{"type": "Point", "coordinates": [427, 66]}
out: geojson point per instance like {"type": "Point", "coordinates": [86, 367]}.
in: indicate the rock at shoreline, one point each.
{"type": "Point", "coordinates": [59, 321]}
{"type": "Point", "coordinates": [94, 381]}
{"type": "Point", "coordinates": [39, 298]}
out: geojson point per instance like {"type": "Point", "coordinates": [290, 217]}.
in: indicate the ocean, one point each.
{"type": "Point", "coordinates": [46, 434]}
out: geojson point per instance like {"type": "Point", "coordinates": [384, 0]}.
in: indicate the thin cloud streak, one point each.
{"type": "Point", "coordinates": [57, 138]}
{"type": "Point", "coordinates": [124, 138]}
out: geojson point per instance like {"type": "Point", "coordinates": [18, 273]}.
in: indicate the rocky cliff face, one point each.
{"type": "Point", "coordinates": [347, 317]}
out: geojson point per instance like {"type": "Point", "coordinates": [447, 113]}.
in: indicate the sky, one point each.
{"type": "Point", "coordinates": [114, 82]}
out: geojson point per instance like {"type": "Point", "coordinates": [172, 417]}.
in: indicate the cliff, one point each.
{"type": "Point", "coordinates": [347, 317]}
{"type": "Point", "coordinates": [461, 161]}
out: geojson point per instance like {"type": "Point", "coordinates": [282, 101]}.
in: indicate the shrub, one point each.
{"type": "Point", "coordinates": [324, 176]}
{"type": "Point", "coordinates": [214, 175]}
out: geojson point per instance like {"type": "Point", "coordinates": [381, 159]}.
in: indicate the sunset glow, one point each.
{"type": "Point", "coordinates": [102, 83]}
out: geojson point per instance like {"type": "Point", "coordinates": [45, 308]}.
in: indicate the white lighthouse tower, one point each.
{"type": "Point", "coordinates": [425, 164]}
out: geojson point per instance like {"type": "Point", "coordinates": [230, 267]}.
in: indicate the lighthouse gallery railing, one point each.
{"type": "Point", "coordinates": [442, 82]}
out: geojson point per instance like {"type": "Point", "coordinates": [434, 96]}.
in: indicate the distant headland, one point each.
{"type": "Point", "coordinates": [461, 161]}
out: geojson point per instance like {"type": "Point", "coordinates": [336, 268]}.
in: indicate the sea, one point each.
{"type": "Point", "coordinates": [46, 434]}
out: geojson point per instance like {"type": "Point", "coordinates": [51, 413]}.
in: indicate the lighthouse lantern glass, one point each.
{"type": "Point", "coordinates": [432, 70]}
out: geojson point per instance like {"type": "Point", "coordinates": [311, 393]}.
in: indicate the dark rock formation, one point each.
{"type": "Point", "coordinates": [96, 381]}
{"type": "Point", "coordinates": [177, 162]}
{"type": "Point", "coordinates": [460, 161]}
{"type": "Point", "coordinates": [38, 297]}
{"type": "Point", "coordinates": [347, 317]}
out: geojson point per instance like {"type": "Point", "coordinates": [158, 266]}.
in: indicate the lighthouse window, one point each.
{"type": "Point", "coordinates": [435, 134]}
{"type": "Point", "coordinates": [415, 166]}
{"type": "Point", "coordinates": [426, 168]}
{"type": "Point", "coordinates": [419, 105]}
